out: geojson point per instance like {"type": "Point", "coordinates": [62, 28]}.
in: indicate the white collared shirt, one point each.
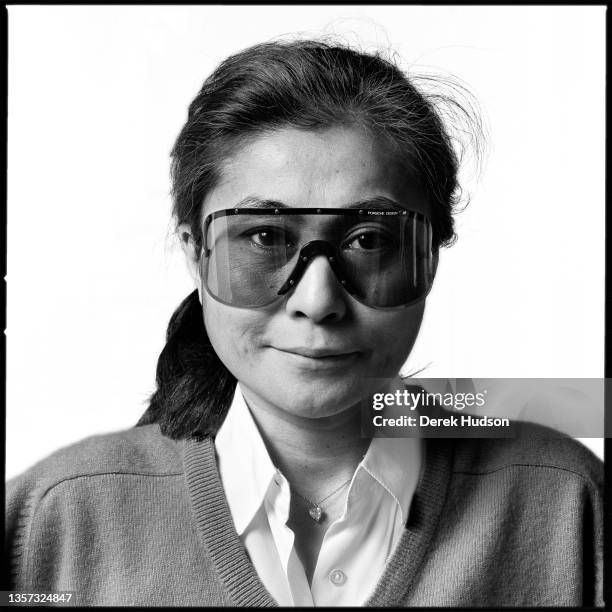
{"type": "Point", "coordinates": [356, 547]}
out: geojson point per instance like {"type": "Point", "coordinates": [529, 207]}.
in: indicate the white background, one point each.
{"type": "Point", "coordinates": [97, 96]}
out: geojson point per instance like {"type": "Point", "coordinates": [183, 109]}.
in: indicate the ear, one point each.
{"type": "Point", "coordinates": [190, 250]}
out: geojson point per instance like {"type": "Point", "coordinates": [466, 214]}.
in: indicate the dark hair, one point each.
{"type": "Point", "coordinates": [308, 85]}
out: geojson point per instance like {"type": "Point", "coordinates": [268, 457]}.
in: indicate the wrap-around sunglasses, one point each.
{"type": "Point", "coordinates": [252, 257]}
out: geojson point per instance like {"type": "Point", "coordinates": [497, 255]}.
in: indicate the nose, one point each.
{"type": "Point", "coordinates": [318, 295]}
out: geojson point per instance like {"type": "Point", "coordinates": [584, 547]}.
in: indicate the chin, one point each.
{"type": "Point", "coordinates": [312, 397]}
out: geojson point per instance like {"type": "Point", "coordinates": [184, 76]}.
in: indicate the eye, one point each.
{"type": "Point", "coordinates": [269, 238]}
{"type": "Point", "coordinates": [368, 240]}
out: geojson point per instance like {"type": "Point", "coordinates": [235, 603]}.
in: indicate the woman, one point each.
{"type": "Point", "coordinates": [313, 186]}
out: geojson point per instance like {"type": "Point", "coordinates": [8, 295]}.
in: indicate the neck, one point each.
{"type": "Point", "coordinates": [313, 454]}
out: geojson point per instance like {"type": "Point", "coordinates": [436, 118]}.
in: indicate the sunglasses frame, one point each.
{"type": "Point", "coordinates": [286, 211]}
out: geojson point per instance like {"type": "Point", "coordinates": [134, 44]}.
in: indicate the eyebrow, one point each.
{"type": "Point", "coordinates": [255, 202]}
{"type": "Point", "coordinates": [375, 203]}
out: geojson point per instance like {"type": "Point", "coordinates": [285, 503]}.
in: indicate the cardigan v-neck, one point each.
{"type": "Point", "coordinates": [215, 526]}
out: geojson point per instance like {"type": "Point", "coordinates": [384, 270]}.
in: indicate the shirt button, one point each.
{"type": "Point", "coordinates": [337, 577]}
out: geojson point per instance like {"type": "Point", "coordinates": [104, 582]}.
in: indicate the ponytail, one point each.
{"type": "Point", "coordinates": [194, 388]}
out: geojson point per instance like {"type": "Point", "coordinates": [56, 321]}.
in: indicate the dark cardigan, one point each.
{"type": "Point", "coordinates": [136, 518]}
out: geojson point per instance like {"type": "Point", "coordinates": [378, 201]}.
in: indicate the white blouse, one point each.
{"type": "Point", "coordinates": [355, 548]}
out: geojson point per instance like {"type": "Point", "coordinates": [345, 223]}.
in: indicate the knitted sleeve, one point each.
{"type": "Point", "coordinates": [22, 495]}
{"type": "Point", "coordinates": [593, 544]}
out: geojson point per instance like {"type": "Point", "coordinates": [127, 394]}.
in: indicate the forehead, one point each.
{"type": "Point", "coordinates": [315, 169]}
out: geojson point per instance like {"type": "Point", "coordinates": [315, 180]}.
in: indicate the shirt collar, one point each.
{"type": "Point", "coordinates": [247, 471]}
{"type": "Point", "coordinates": [395, 464]}
{"type": "Point", "coordinates": [245, 466]}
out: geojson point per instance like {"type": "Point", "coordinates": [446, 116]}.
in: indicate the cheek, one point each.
{"type": "Point", "coordinates": [234, 333]}
{"type": "Point", "coordinates": [394, 334]}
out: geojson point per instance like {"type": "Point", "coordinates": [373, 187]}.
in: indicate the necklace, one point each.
{"type": "Point", "coordinates": [315, 510]}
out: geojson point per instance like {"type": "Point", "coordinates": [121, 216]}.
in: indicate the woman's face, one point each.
{"type": "Point", "coordinates": [311, 353]}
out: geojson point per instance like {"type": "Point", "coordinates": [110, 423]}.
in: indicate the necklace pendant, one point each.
{"type": "Point", "coordinates": [315, 513]}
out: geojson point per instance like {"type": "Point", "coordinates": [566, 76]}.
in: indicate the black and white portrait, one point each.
{"type": "Point", "coordinates": [236, 233]}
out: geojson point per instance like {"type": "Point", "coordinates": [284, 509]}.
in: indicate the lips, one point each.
{"type": "Point", "coordinates": [320, 353]}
